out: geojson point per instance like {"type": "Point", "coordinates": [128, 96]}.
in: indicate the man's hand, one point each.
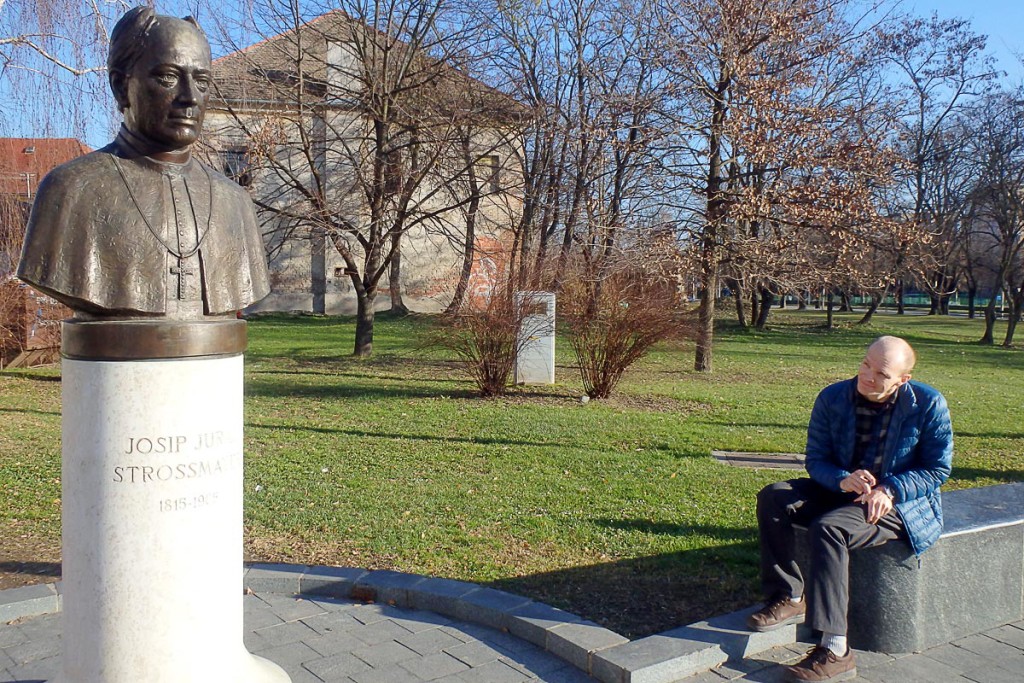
{"type": "Point", "coordinates": [860, 482]}
{"type": "Point", "coordinates": [878, 504]}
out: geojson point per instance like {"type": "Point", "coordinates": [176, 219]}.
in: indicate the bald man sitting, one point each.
{"type": "Point", "coordinates": [879, 446]}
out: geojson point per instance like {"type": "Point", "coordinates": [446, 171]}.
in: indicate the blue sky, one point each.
{"type": "Point", "coordinates": [1001, 20]}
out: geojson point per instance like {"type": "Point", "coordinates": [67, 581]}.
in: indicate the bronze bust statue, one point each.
{"type": "Point", "coordinates": [140, 228]}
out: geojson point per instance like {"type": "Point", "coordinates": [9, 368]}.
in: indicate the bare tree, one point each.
{"type": "Point", "coordinates": [940, 67]}
{"type": "Point", "coordinates": [998, 200]}
{"type": "Point", "coordinates": [354, 121]}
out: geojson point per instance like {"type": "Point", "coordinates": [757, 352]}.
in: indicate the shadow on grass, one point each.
{"type": "Point", "coordinates": [675, 529]}
{"type": "Point", "coordinates": [31, 411]}
{"type": "Point", "coordinates": [411, 437]}
{"type": "Point", "coordinates": [642, 596]}
{"type": "Point", "coordinates": [295, 390]}
{"type": "Point", "coordinates": [34, 376]}
{"type": "Point", "coordinates": [986, 475]}
{"type": "Point", "coordinates": [51, 569]}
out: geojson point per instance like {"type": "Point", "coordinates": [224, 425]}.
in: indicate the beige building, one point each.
{"type": "Point", "coordinates": [355, 147]}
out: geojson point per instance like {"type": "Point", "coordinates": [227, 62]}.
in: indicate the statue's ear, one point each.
{"type": "Point", "coordinates": [119, 86]}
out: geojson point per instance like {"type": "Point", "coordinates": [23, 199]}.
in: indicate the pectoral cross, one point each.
{"type": "Point", "coordinates": [182, 272]}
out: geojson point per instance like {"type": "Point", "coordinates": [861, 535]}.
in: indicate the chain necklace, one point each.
{"type": "Point", "coordinates": [159, 238]}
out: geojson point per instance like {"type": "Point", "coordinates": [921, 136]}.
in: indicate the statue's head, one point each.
{"type": "Point", "coordinates": [159, 71]}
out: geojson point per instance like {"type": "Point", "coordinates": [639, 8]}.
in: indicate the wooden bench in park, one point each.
{"type": "Point", "coordinates": [971, 580]}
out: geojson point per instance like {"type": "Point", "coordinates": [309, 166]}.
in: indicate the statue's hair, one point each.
{"type": "Point", "coordinates": [129, 39]}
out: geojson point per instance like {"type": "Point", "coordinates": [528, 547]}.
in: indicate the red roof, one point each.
{"type": "Point", "coordinates": [24, 161]}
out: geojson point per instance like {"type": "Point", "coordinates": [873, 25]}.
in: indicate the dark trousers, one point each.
{"type": "Point", "coordinates": [835, 526]}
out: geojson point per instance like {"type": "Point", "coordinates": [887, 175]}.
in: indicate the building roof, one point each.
{"type": "Point", "coordinates": [24, 161]}
{"type": "Point", "coordinates": [267, 73]}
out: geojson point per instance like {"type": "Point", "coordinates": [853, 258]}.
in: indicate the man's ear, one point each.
{"type": "Point", "coordinates": [119, 86]}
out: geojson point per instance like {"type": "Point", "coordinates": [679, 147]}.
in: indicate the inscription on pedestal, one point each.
{"type": "Point", "coordinates": [169, 458]}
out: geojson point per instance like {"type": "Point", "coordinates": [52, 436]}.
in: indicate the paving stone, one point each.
{"type": "Point", "coordinates": [288, 656]}
{"type": "Point", "coordinates": [27, 601]}
{"type": "Point", "coordinates": [34, 650]}
{"type": "Point", "coordinates": [474, 653]}
{"type": "Point", "coordinates": [384, 654]}
{"type": "Point", "coordinates": [439, 595]}
{"type": "Point", "coordinates": [380, 632]}
{"type": "Point", "coordinates": [256, 613]}
{"type": "Point", "coordinates": [282, 634]}
{"type": "Point", "coordinates": [1009, 634]}
{"type": "Point", "coordinates": [493, 672]}
{"type": "Point", "coordinates": [334, 641]}
{"type": "Point", "coordinates": [330, 581]}
{"type": "Point", "coordinates": [489, 607]}
{"type": "Point", "coordinates": [386, 586]}
{"type": "Point", "coordinates": [422, 621]}
{"type": "Point", "coordinates": [575, 642]}
{"type": "Point", "coordinates": [957, 657]}
{"type": "Point", "coordinates": [988, 647]}
{"type": "Point", "coordinates": [390, 674]}
{"type": "Point", "coordinates": [434, 666]}
{"type": "Point", "coordinates": [274, 578]}
{"type": "Point", "coordinates": [995, 674]}
{"type": "Point", "coordinates": [11, 635]}
{"type": "Point", "coordinates": [332, 622]}
{"type": "Point", "coordinates": [337, 666]}
{"type": "Point", "coordinates": [429, 642]}
{"type": "Point", "coordinates": [38, 670]}
{"type": "Point", "coordinates": [292, 607]}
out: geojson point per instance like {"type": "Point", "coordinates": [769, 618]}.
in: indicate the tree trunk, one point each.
{"type": "Point", "coordinates": [876, 301]}
{"type": "Point", "coordinates": [829, 308]}
{"type": "Point", "coordinates": [702, 361]}
{"type": "Point", "coordinates": [737, 296]}
{"type": "Point", "coordinates": [801, 299]}
{"type": "Point", "coordinates": [1016, 304]}
{"type": "Point", "coordinates": [935, 306]}
{"type": "Point", "coordinates": [364, 322]}
{"type": "Point", "coordinates": [845, 305]}
{"type": "Point", "coordinates": [900, 308]}
{"type": "Point", "coordinates": [766, 309]}
{"type": "Point", "coordinates": [755, 306]}
{"type": "Point", "coordinates": [972, 296]}
{"type": "Point", "coordinates": [990, 322]}
{"type": "Point", "coordinates": [395, 280]}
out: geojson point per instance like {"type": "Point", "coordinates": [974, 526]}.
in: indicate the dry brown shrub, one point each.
{"type": "Point", "coordinates": [617, 312]}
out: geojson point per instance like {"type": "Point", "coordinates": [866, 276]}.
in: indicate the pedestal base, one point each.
{"type": "Point", "coordinates": [152, 523]}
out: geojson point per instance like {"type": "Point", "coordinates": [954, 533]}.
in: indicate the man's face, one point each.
{"type": "Point", "coordinates": [882, 372]}
{"type": "Point", "coordinates": [167, 89]}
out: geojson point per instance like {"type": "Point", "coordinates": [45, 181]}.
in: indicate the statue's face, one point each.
{"type": "Point", "coordinates": [167, 89]}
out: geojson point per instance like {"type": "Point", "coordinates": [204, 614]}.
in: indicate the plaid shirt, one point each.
{"type": "Point", "coordinates": [872, 426]}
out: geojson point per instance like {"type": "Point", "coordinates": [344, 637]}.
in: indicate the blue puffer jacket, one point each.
{"type": "Point", "coordinates": [917, 459]}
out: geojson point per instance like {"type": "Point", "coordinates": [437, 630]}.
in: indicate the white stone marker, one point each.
{"type": "Point", "coordinates": [535, 359]}
{"type": "Point", "coordinates": [152, 522]}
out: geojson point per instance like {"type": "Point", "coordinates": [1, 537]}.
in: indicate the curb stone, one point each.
{"type": "Point", "coordinates": [607, 656]}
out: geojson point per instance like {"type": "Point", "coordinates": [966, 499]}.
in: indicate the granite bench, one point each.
{"type": "Point", "coordinates": [971, 580]}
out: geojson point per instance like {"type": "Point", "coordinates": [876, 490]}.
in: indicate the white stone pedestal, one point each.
{"type": "Point", "coordinates": [152, 523]}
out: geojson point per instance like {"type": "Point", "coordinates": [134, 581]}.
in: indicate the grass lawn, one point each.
{"type": "Point", "coordinates": [614, 510]}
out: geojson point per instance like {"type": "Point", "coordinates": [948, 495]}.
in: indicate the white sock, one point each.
{"type": "Point", "coordinates": [834, 642]}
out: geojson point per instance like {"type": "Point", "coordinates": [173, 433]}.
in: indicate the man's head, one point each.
{"type": "Point", "coordinates": [886, 367]}
{"type": "Point", "coordinates": [159, 71]}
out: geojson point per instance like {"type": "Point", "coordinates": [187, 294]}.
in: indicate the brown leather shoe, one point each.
{"type": "Point", "coordinates": [822, 666]}
{"type": "Point", "coordinates": [776, 613]}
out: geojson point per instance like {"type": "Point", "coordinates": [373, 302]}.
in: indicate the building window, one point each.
{"type": "Point", "coordinates": [237, 166]}
{"type": "Point", "coordinates": [490, 172]}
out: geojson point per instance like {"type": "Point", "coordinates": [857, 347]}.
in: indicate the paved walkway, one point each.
{"type": "Point", "coordinates": [340, 625]}
{"type": "Point", "coordinates": [995, 656]}
{"type": "Point", "coordinates": [327, 640]}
